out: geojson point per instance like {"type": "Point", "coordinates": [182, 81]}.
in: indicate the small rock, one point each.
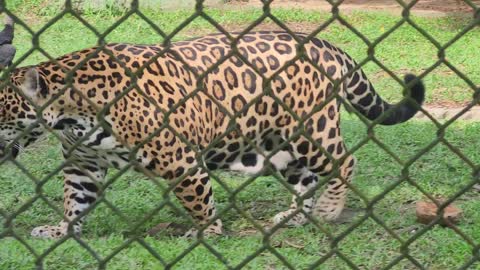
{"type": "Point", "coordinates": [348, 215]}
{"type": "Point", "coordinates": [173, 229]}
{"type": "Point", "coordinates": [427, 211]}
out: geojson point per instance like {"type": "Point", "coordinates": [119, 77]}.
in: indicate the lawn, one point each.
{"type": "Point", "coordinates": [438, 171]}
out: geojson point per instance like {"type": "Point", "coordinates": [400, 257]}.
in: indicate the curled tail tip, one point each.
{"type": "Point", "coordinates": [409, 77]}
{"type": "Point", "coordinates": [415, 92]}
{"type": "Point", "coordinates": [417, 89]}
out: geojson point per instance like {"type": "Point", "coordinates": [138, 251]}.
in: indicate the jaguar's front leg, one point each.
{"type": "Point", "coordinates": [80, 191]}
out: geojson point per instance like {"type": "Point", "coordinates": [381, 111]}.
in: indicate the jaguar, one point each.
{"type": "Point", "coordinates": [265, 102]}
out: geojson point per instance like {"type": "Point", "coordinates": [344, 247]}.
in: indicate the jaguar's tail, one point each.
{"type": "Point", "coordinates": [362, 96]}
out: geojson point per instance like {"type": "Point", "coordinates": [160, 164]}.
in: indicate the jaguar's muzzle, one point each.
{"type": "Point", "coordinates": [8, 150]}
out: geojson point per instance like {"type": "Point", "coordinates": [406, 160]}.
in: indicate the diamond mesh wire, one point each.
{"type": "Point", "coordinates": [136, 235]}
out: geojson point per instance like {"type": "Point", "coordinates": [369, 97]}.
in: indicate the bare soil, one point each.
{"type": "Point", "coordinates": [422, 7]}
{"type": "Point", "coordinates": [439, 112]}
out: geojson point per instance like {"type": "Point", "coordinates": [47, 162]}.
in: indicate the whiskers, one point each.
{"type": "Point", "coordinates": [18, 146]}
{"type": "Point", "coordinates": [9, 149]}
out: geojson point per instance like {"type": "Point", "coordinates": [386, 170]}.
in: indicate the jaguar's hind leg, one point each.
{"type": "Point", "coordinates": [332, 201]}
{"type": "Point", "coordinates": [312, 161]}
{"type": "Point", "coordinates": [303, 181]}
{"type": "Point", "coordinates": [196, 195]}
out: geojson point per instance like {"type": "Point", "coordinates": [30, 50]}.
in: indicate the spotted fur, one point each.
{"type": "Point", "coordinates": [173, 114]}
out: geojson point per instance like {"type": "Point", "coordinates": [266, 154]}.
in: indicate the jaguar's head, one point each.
{"type": "Point", "coordinates": [19, 126]}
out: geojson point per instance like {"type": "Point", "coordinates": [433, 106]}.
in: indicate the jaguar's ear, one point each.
{"type": "Point", "coordinates": [33, 85]}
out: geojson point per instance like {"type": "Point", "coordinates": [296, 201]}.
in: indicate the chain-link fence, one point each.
{"type": "Point", "coordinates": [89, 147]}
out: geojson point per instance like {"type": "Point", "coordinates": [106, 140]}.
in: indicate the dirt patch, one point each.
{"type": "Point", "coordinates": [264, 26]}
{"type": "Point", "coordinates": [422, 7]}
{"type": "Point", "coordinates": [445, 113]}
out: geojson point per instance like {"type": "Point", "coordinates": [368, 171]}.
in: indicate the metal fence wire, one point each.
{"type": "Point", "coordinates": [137, 234]}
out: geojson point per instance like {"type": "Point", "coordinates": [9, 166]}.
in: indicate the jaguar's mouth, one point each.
{"type": "Point", "coordinates": [9, 151]}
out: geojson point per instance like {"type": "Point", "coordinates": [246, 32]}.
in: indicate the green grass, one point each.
{"type": "Point", "coordinates": [439, 171]}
